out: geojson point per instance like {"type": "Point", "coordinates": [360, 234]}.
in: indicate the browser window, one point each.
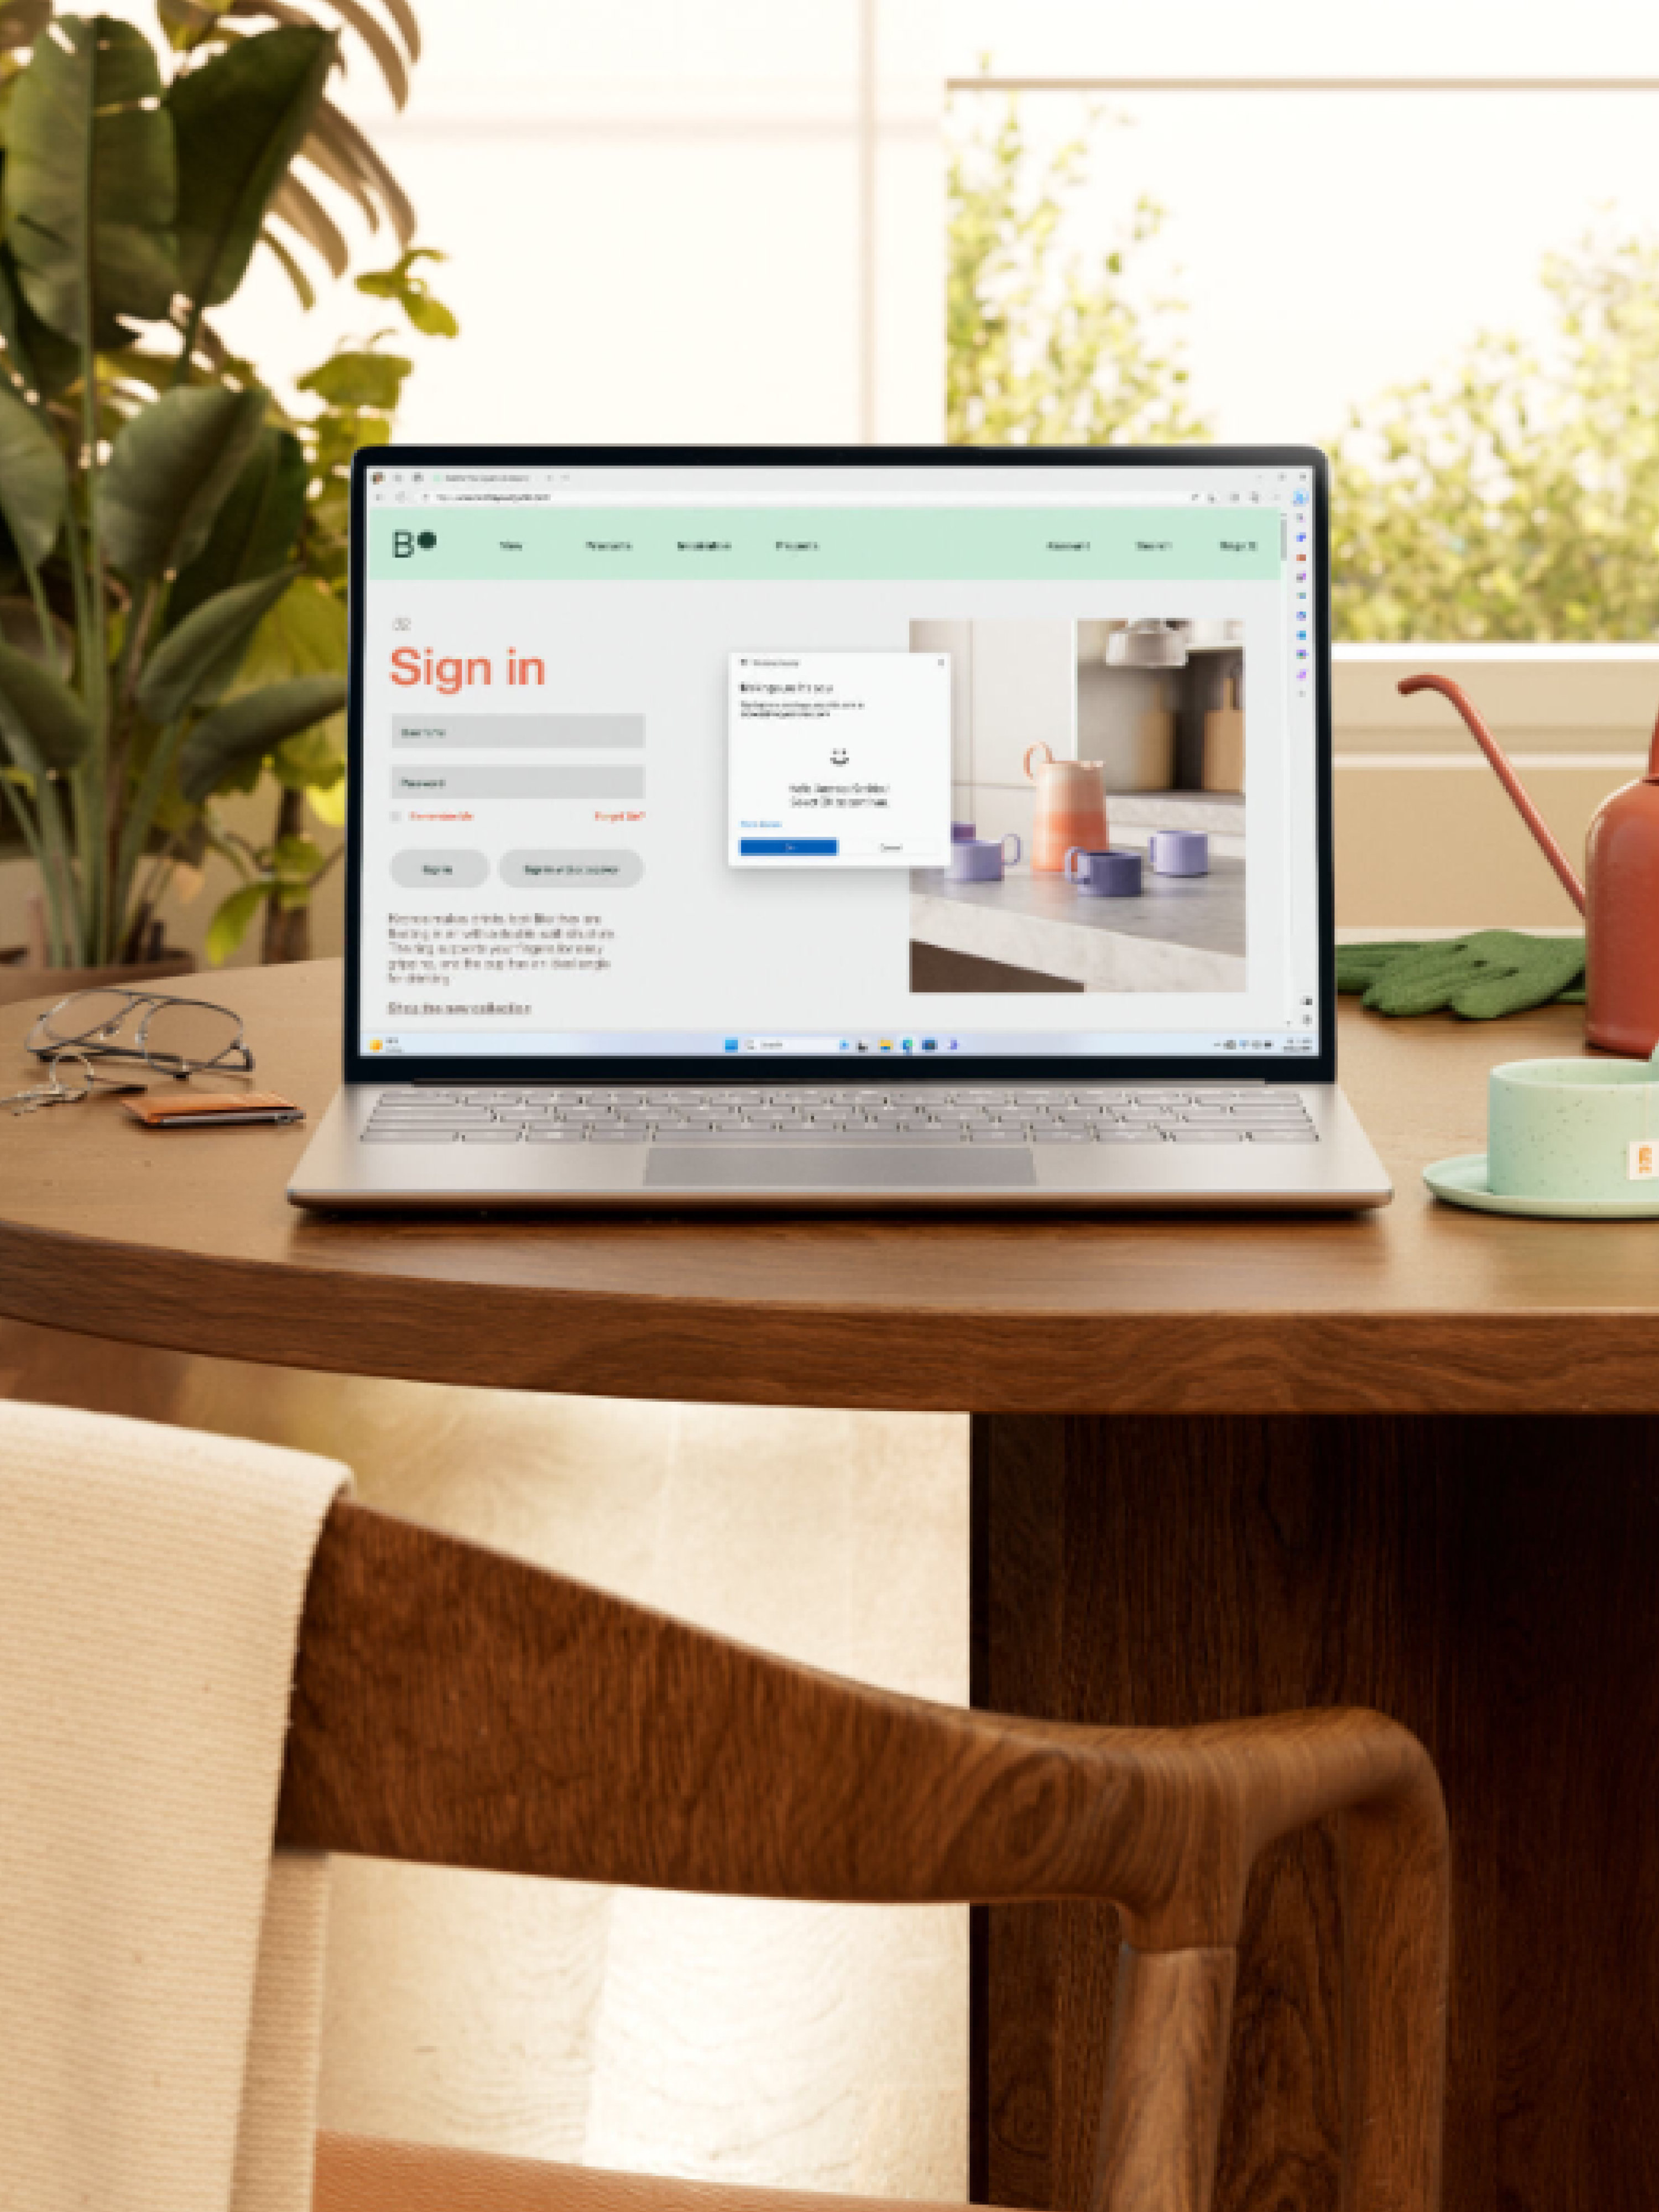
{"type": "Point", "coordinates": [936, 760]}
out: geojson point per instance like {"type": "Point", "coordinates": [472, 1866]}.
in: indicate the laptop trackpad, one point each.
{"type": "Point", "coordinates": [837, 1167]}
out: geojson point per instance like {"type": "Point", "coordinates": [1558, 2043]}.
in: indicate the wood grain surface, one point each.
{"type": "Point", "coordinates": [1489, 1582]}
{"type": "Point", "coordinates": [184, 1239]}
{"type": "Point", "coordinates": [456, 1706]}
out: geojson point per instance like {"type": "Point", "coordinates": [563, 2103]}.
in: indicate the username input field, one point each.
{"type": "Point", "coordinates": [419, 732]}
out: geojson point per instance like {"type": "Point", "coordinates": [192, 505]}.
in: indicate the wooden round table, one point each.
{"type": "Point", "coordinates": [1408, 1460]}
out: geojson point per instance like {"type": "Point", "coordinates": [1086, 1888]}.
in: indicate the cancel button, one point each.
{"type": "Point", "coordinates": [439, 871]}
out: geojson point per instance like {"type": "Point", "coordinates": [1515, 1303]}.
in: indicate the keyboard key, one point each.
{"type": "Point", "coordinates": [1203, 1135]}
{"type": "Point", "coordinates": [1061, 1137]}
{"type": "Point", "coordinates": [1129, 1136]}
{"type": "Point", "coordinates": [1283, 1136]}
{"type": "Point", "coordinates": [491, 1136]}
{"type": "Point", "coordinates": [556, 1135]}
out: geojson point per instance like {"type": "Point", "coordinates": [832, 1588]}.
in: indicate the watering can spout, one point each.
{"type": "Point", "coordinates": [1510, 782]}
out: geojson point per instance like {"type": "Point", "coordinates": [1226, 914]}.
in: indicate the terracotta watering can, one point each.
{"type": "Point", "coordinates": [1619, 898]}
{"type": "Point", "coordinates": [1071, 808]}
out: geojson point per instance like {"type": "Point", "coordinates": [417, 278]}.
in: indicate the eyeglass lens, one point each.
{"type": "Point", "coordinates": [185, 1035]}
{"type": "Point", "coordinates": [82, 1019]}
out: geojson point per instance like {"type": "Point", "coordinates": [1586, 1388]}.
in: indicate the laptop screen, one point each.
{"type": "Point", "coordinates": [827, 757]}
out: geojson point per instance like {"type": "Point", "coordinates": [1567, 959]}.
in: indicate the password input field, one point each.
{"type": "Point", "coordinates": [577, 779]}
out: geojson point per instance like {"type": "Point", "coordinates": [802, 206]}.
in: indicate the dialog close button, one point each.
{"type": "Point", "coordinates": [437, 870]}
{"type": "Point", "coordinates": [612, 870]}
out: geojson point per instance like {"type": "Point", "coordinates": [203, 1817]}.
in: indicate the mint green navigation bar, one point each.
{"type": "Point", "coordinates": [636, 544]}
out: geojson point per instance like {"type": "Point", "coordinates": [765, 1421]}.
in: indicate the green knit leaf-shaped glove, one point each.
{"type": "Point", "coordinates": [1491, 973]}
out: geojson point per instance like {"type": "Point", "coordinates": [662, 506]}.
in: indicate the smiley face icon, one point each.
{"type": "Point", "coordinates": [838, 758]}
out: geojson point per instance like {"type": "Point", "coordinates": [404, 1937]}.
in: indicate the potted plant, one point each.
{"type": "Point", "coordinates": [159, 509]}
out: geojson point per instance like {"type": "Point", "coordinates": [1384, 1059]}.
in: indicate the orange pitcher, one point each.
{"type": "Point", "coordinates": [1071, 808]}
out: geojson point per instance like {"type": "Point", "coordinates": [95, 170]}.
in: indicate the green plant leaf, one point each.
{"type": "Point", "coordinates": [249, 727]}
{"type": "Point", "coordinates": [304, 290]}
{"type": "Point", "coordinates": [45, 361]}
{"type": "Point", "coordinates": [229, 926]}
{"type": "Point", "coordinates": [412, 293]}
{"type": "Point", "coordinates": [310, 761]}
{"type": "Point", "coordinates": [254, 531]}
{"type": "Point", "coordinates": [327, 802]}
{"type": "Point", "coordinates": [298, 858]}
{"type": "Point", "coordinates": [42, 722]}
{"type": "Point", "coordinates": [91, 186]}
{"type": "Point", "coordinates": [169, 472]}
{"type": "Point", "coordinates": [359, 379]}
{"type": "Point", "coordinates": [303, 635]}
{"type": "Point", "coordinates": [33, 482]}
{"type": "Point", "coordinates": [20, 625]}
{"type": "Point", "coordinates": [195, 663]}
{"type": "Point", "coordinates": [240, 120]}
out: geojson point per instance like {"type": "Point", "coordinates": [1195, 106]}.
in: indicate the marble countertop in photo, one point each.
{"type": "Point", "coordinates": [1183, 933]}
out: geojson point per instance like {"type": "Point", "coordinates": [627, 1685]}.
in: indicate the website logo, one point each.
{"type": "Point", "coordinates": [404, 543]}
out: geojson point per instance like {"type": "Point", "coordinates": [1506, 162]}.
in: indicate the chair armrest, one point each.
{"type": "Point", "coordinates": [455, 1706]}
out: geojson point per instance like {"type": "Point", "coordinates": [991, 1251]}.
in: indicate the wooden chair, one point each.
{"type": "Point", "coordinates": [459, 1708]}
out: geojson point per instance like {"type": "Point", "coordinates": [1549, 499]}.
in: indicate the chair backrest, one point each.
{"type": "Point", "coordinates": [459, 1707]}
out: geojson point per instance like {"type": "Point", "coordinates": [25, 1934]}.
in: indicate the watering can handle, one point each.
{"type": "Point", "coordinates": [1506, 775]}
{"type": "Point", "coordinates": [1041, 746]}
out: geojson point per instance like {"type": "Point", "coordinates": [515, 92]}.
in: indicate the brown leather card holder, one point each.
{"type": "Point", "coordinates": [190, 1109]}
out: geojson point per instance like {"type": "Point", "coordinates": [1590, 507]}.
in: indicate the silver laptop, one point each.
{"type": "Point", "coordinates": [839, 826]}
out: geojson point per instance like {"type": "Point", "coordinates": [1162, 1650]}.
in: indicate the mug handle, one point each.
{"type": "Point", "coordinates": [1010, 860]}
{"type": "Point", "coordinates": [1069, 871]}
{"type": "Point", "coordinates": [1041, 746]}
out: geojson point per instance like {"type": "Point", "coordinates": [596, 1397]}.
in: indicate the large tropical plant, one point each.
{"type": "Point", "coordinates": [157, 506]}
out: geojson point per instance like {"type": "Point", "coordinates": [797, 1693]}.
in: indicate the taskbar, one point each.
{"type": "Point", "coordinates": [702, 1044]}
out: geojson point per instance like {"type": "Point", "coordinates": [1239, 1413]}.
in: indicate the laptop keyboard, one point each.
{"type": "Point", "coordinates": [1055, 1114]}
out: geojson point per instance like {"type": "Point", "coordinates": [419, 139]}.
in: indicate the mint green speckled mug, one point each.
{"type": "Point", "coordinates": [1586, 1130]}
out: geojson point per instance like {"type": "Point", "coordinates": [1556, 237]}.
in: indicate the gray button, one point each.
{"type": "Point", "coordinates": [1206, 1136]}
{"type": "Point", "coordinates": [1129, 1137]}
{"type": "Point", "coordinates": [555, 1136]}
{"type": "Point", "coordinates": [1283, 1136]}
{"type": "Point", "coordinates": [604, 870]}
{"type": "Point", "coordinates": [497, 1136]}
{"type": "Point", "coordinates": [438, 869]}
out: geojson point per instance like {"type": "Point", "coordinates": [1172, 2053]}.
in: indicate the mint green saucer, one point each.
{"type": "Point", "coordinates": [1462, 1182]}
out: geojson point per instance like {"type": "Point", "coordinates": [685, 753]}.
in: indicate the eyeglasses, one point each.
{"type": "Point", "coordinates": [175, 1037]}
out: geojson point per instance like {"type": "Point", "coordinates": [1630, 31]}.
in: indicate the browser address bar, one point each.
{"type": "Point", "coordinates": [514, 495]}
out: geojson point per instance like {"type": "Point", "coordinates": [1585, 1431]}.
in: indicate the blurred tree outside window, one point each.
{"type": "Point", "coordinates": [1512, 497]}
{"type": "Point", "coordinates": [1044, 351]}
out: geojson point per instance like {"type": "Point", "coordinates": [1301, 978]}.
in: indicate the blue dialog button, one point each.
{"type": "Point", "coordinates": [787, 848]}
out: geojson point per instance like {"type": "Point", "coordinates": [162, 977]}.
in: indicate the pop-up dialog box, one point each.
{"type": "Point", "coordinates": [839, 760]}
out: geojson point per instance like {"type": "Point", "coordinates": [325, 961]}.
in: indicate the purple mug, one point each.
{"type": "Point", "coordinates": [981, 860]}
{"type": "Point", "coordinates": [1180, 852]}
{"type": "Point", "coordinates": [962, 833]}
{"type": "Point", "coordinates": [1112, 873]}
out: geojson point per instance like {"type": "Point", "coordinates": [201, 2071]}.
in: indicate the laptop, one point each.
{"type": "Point", "coordinates": [839, 827]}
